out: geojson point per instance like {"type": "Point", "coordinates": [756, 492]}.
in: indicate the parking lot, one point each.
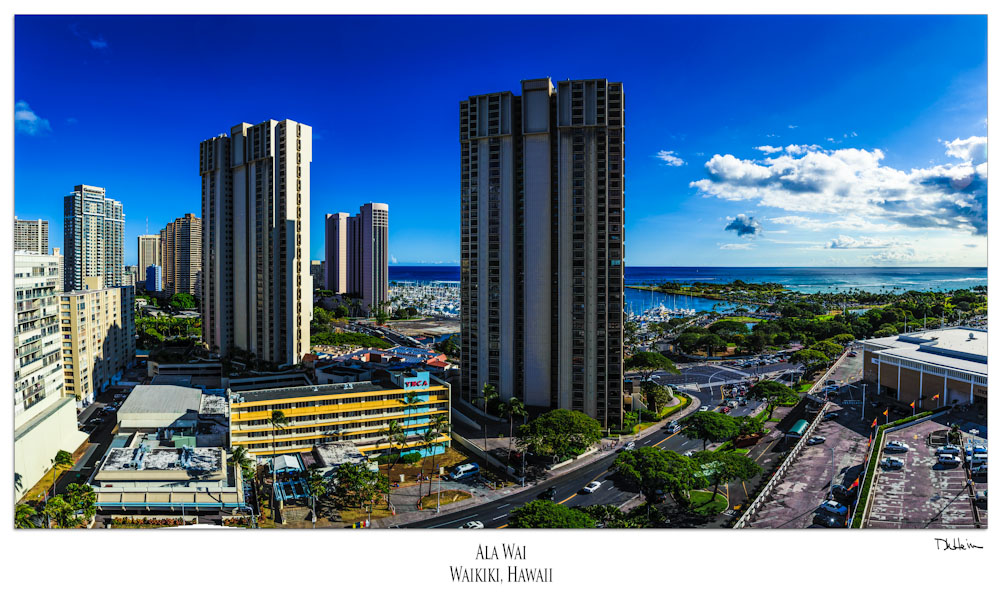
{"type": "Point", "coordinates": [806, 482]}
{"type": "Point", "coordinates": [922, 493]}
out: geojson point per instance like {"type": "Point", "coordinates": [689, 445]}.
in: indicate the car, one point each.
{"type": "Point", "coordinates": [982, 498]}
{"type": "Point", "coordinates": [831, 382]}
{"type": "Point", "coordinates": [830, 388]}
{"type": "Point", "coordinates": [733, 404]}
{"type": "Point", "coordinates": [630, 446]}
{"type": "Point", "coordinates": [948, 460]}
{"type": "Point", "coordinates": [843, 494]}
{"type": "Point", "coordinates": [549, 493]}
{"type": "Point", "coordinates": [852, 355]}
{"type": "Point", "coordinates": [464, 471]}
{"type": "Point", "coordinates": [827, 520]}
{"type": "Point", "coordinates": [88, 429]}
{"type": "Point", "coordinates": [980, 471]}
{"type": "Point", "coordinates": [704, 408]}
{"type": "Point", "coordinates": [948, 449]}
{"type": "Point", "coordinates": [688, 453]}
{"type": "Point", "coordinates": [896, 446]}
{"type": "Point", "coordinates": [660, 496]}
{"type": "Point", "coordinates": [743, 402]}
{"type": "Point", "coordinates": [832, 507]}
{"type": "Point", "coordinates": [830, 416]}
{"type": "Point", "coordinates": [978, 458]}
{"type": "Point", "coordinates": [815, 440]}
{"type": "Point", "coordinates": [472, 525]}
{"type": "Point", "coordinates": [892, 463]}
{"type": "Point", "coordinates": [725, 409]}
{"type": "Point", "coordinates": [591, 488]}
{"type": "Point", "coordinates": [673, 428]}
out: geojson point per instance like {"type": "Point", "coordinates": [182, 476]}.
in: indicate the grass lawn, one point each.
{"type": "Point", "coordinates": [448, 497]}
{"type": "Point", "coordinates": [705, 505]}
{"type": "Point", "coordinates": [803, 387]}
{"type": "Point", "coordinates": [741, 320]}
{"type": "Point", "coordinates": [354, 515]}
{"type": "Point", "coordinates": [447, 459]}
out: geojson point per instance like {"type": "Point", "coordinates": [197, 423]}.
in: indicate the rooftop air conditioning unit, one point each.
{"type": "Point", "coordinates": [970, 336]}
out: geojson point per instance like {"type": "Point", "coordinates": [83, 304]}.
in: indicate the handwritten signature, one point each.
{"type": "Point", "coordinates": [956, 544]}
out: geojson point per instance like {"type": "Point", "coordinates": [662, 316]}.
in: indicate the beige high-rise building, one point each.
{"type": "Point", "coordinates": [45, 417]}
{"type": "Point", "coordinates": [31, 236]}
{"type": "Point", "coordinates": [59, 261]}
{"type": "Point", "coordinates": [99, 337]}
{"type": "Point", "coordinates": [93, 238]}
{"type": "Point", "coordinates": [149, 254]}
{"type": "Point", "coordinates": [542, 245]}
{"type": "Point", "coordinates": [358, 250]}
{"type": "Point", "coordinates": [257, 292]}
{"type": "Point", "coordinates": [181, 247]}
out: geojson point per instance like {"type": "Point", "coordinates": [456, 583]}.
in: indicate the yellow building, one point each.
{"type": "Point", "coordinates": [99, 337]}
{"type": "Point", "coordinates": [357, 412]}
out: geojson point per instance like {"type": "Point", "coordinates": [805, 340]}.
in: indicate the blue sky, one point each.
{"type": "Point", "coordinates": [751, 141]}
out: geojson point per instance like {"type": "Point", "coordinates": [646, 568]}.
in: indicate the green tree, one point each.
{"type": "Point", "coordinates": [609, 516]}
{"type": "Point", "coordinates": [62, 460]}
{"type": "Point", "coordinates": [812, 360]}
{"type": "Point", "coordinates": [657, 396]}
{"type": "Point", "coordinates": [510, 410]}
{"type": "Point", "coordinates": [630, 419]}
{"type": "Point", "coordinates": [648, 363]}
{"type": "Point", "coordinates": [82, 498]}
{"type": "Point", "coordinates": [278, 421]}
{"type": "Point", "coordinates": [441, 426]}
{"type": "Point", "coordinates": [773, 392]}
{"type": "Point", "coordinates": [652, 469]}
{"type": "Point", "coordinates": [24, 516]}
{"type": "Point", "coordinates": [710, 426]}
{"type": "Point", "coordinates": [60, 513]}
{"type": "Point", "coordinates": [182, 301]}
{"type": "Point", "coordinates": [543, 514]}
{"type": "Point", "coordinates": [712, 342]}
{"type": "Point", "coordinates": [842, 338]}
{"type": "Point", "coordinates": [724, 467]}
{"type": "Point", "coordinates": [239, 459]}
{"type": "Point", "coordinates": [340, 312]}
{"type": "Point", "coordinates": [559, 432]}
{"type": "Point", "coordinates": [688, 341]}
{"type": "Point", "coordinates": [830, 349]}
{"type": "Point", "coordinates": [395, 437]}
{"type": "Point", "coordinates": [355, 486]}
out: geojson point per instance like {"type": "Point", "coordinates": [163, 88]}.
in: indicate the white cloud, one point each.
{"type": "Point", "coordinates": [26, 121]}
{"type": "Point", "coordinates": [893, 255]}
{"type": "Point", "coordinates": [770, 149]}
{"type": "Point", "coordinates": [735, 246]}
{"type": "Point", "coordinates": [669, 158]}
{"type": "Point", "coordinates": [973, 150]}
{"type": "Point", "coordinates": [793, 126]}
{"type": "Point", "coordinates": [393, 260]}
{"type": "Point", "coordinates": [853, 182]}
{"type": "Point", "coordinates": [802, 149]}
{"type": "Point", "coordinates": [844, 242]}
{"type": "Point", "coordinates": [744, 225]}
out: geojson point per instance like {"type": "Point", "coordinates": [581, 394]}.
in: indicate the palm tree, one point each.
{"type": "Point", "coordinates": [428, 440]}
{"type": "Point", "coordinates": [488, 392]}
{"type": "Point", "coordinates": [24, 516]}
{"type": "Point", "coordinates": [277, 421]}
{"type": "Point", "coordinates": [441, 425]}
{"type": "Point", "coordinates": [239, 459]}
{"type": "Point", "coordinates": [62, 459]}
{"type": "Point", "coordinates": [513, 408]}
{"type": "Point", "coordinates": [393, 435]}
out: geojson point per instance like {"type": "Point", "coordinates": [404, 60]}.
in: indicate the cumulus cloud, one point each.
{"type": "Point", "coordinates": [973, 150]}
{"type": "Point", "coordinates": [744, 225]}
{"type": "Point", "coordinates": [892, 255]}
{"type": "Point", "coordinates": [853, 181]}
{"type": "Point", "coordinates": [393, 260]}
{"type": "Point", "coordinates": [26, 121]}
{"type": "Point", "coordinates": [735, 246]}
{"type": "Point", "coordinates": [670, 158]}
{"type": "Point", "coordinates": [844, 242]}
{"type": "Point", "coordinates": [802, 148]}
{"type": "Point", "coordinates": [769, 149]}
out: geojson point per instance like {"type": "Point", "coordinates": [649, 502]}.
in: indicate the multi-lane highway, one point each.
{"type": "Point", "coordinates": [704, 382]}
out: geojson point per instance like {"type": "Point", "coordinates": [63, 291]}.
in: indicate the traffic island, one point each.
{"type": "Point", "coordinates": [705, 504]}
{"type": "Point", "coordinates": [444, 497]}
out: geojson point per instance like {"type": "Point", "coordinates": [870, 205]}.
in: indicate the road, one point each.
{"type": "Point", "coordinates": [709, 378]}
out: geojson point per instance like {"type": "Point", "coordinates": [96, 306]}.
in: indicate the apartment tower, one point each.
{"type": "Point", "coordinates": [31, 236]}
{"type": "Point", "coordinates": [93, 237]}
{"type": "Point", "coordinates": [149, 254]}
{"type": "Point", "coordinates": [357, 254]}
{"type": "Point", "coordinates": [256, 285]}
{"type": "Point", "coordinates": [181, 247]}
{"type": "Point", "coordinates": [542, 245]}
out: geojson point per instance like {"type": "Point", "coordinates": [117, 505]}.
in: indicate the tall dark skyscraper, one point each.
{"type": "Point", "coordinates": [542, 245]}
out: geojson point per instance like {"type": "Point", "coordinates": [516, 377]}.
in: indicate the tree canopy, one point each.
{"type": "Point", "coordinates": [355, 485]}
{"type": "Point", "coordinates": [723, 467]}
{"type": "Point", "coordinates": [559, 432]}
{"type": "Point", "coordinates": [647, 363]}
{"type": "Point", "coordinates": [543, 514]}
{"type": "Point", "coordinates": [652, 469]}
{"type": "Point", "coordinates": [772, 391]}
{"type": "Point", "coordinates": [657, 396]}
{"type": "Point", "coordinates": [711, 427]}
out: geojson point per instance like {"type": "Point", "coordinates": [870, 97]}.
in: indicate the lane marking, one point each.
{"type": "Point", "coordinates": [670, 437]}
{"type": "Point", "coordinates": [566, 499]}
{"type": "Point", "coordinates": [503, 526]}
{"type": "Point", "coordinates": [456, 521]}
{"type": "Point", "coordinates": [501, 517]}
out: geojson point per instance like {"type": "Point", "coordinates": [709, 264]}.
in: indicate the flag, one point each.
{"type": "Point", "coordinates": [936, 397]}
{"type": "Point", "coordinates": [912, 404]}
{"type": "Point", "coordinates": [885, 411]}
{"type": "Point", "coordinates": [854, 483]}
{"type": "Point", "coordinates": [874, 423]}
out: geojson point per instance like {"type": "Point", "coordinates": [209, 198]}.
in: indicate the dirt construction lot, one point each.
{"type": "Point", "coordinates": [922, 494]}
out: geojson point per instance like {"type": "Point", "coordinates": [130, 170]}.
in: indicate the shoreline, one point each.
{"type": "Point", "coordinates": [705, 296]}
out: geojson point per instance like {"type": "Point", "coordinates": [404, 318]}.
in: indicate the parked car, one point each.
{"type": "Point", "coordinates": [472, 525]}
{"type": "Point", "coordinates": [831, 382]}
{"type": "Point", "coordinates": [815, 440]}
{"type": "Point", "coordinates": [464, 471]}
{"type": "Point", "coordinates": [896, 446]}
{"type": "Point", "coordinates": [828, 520]}
{"type": "Point", "coordinates": [852, 354]}
{"type": "Point", "coordinates": [832, 507]}
{"type": "Point", "coordinates": [948, 460]}
{"type": "Point", "coordinates": [843, 494]}
{"type": "Point", "coordinates": [549, 493]}
{"type": "Point", "coordinates": [948, 449]}
{"type": "Point", "coordinates": [830, 416]}
{"type": "Point", "coordinates": [892, 463]}
{"type": "Point", "coordinates": [981, 498]}
{"type": "Point", "coordinates": [591, 488]}
{"type": "Point", "coordinates": [980, 471]}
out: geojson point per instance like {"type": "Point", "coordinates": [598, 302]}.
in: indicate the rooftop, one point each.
{"type": "Point", "coordinates": [213, 405]}
{"type": "Point", "coordinates": [312, 390]}
{"type": "Point", "coordinates": [145, 458]}
{"type": "Point", "coordinates": [158, 399]}
{"type": "Point", "coordinates": [960, 348]}
{"type": "Point", "coordinates": [338, 453]}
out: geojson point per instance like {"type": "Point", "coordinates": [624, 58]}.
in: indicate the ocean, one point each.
{"type": "Point", "coordinates": [799, 279]}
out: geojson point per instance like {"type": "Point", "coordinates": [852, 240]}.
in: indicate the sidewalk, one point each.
{"type": "Point", "coordinates": [405, 498]}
